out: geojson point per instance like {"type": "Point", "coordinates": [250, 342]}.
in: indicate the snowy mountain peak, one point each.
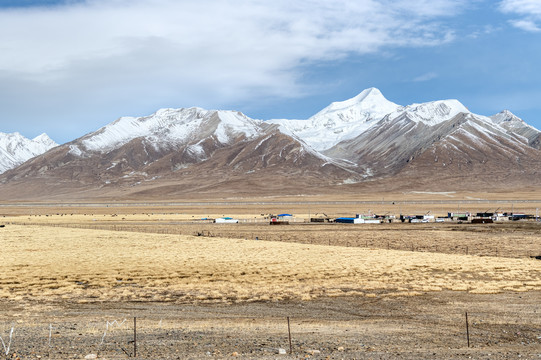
{"type": "Point", "coordinates": [509, 120]}
{"type": "Point", "coordinates": [345, 120]}
{"type": "Point", "coordinates": [512, 123]}
{"type": "Point", "coordinates": [173, 127]}
{"type": "Point", "coordinates": [505, 116]}
{"type": "Point", "coordinates": [340, 121]}
{"type": "Point", "coordinates": [369, 101]}
{"type": "Point", "coordinates": [434, 112]}
{"type": "Point", "coordinates": [16, 149]}
{"type": "Point", "coordinates": [45, 140]}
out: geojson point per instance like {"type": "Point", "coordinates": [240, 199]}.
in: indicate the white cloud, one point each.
{"type": "Point", "coordinates": [529, 10]}
{"type": "Point", "coordinates": [526, 25]}
{"type": "Point", "coordinates": [484, 30]}
{"type": "Point", "coordinates": [523, 7]}
{"type": "Point", "coordinates": [426, 77]}
{"type": "Point", "coordinates": [220, 51]}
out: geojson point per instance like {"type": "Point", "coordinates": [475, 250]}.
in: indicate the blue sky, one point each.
{"type": "Point", "coordinates": [70, 67]}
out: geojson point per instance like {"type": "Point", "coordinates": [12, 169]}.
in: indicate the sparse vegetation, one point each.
{"type": "Point", "coordinates": [67, 275]}
{"type": "Point", "coordinates": [97, 265]}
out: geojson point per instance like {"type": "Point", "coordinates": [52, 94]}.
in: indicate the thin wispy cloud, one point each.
{"type": "Point", "coordinates": [425, 77]}
{"type": "Point", "coordinates": [526, 25]}
{"type": "Point", "coordinates": [483, 31]}
{"type": "Point", "coordinates": [528, 10]}
{"type": "Point", "coordinates": [523, 7]}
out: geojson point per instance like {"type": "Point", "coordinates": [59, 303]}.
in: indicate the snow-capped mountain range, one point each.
{"type": "Point", "coordinates": [16, 149]}
{"type": "Point", "coordinates": [171, 127]}
{"type": "Point", "coordinates": [364, 138]}
{"type": "Point", "coordinates": [348, 119]}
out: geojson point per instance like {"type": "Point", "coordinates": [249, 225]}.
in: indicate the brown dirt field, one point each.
{"type": "Point", "coordinates": [337, 204]}
{"type": "Point", "coordinates": [352, 291]}
{"type": "Point", "coordinates": [429, 326]}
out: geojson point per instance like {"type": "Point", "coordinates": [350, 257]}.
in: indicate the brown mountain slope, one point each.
{"type": "Point", "coordinates": [465, 150]}
{"type": "Point", "coordinates": [197, 153]}
{"type": "Point", "coordinates": [269, 163]}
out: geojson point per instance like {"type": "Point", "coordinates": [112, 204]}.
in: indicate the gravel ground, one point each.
{"type": "Point", "coordinates": [430, 326]}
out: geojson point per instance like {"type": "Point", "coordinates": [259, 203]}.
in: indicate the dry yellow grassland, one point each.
{"type": "Point", "coordinates": [506, 239]}
{"type": "Point", "coordinates": [46, 263]}
{"type": "Point", "coordinates": [148, 218]}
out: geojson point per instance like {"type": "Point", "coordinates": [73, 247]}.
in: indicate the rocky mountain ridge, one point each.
{"type": "Point", "coordinates": [357, 142]}
{"type": "Point", "coordinates": [15, 149]}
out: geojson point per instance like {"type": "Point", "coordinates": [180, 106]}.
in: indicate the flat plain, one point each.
{"type": "Point", "coordinates": [73, 277]}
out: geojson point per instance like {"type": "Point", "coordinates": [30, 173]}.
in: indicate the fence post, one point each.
{"type": "Point", "coordinates": [289, 334]}
{"type": "Point", "coordinates": [467, 330]}
{"type": "Point", "coordinates": [134, 337]}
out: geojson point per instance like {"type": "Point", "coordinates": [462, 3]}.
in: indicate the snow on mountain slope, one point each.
{"type": "Point", "coordinates": [16, 149]}
{"type": "Point", "coordinates": [432, 113]}
{"type": "Point", "coordinates": [172, 128]}
{"type": "Point", "coordinates": [392, 143]}
{"type": "Point", "coordinates": [192, 146]}
{"type": "Point", "coordinates": [509, 119]}
{"type": "Point", "coordinates": [194, 134]}
{"type": "Point", "coordinates": [339, 121]}
{"type": "Point", "coordinates": [370, 102]}
{"type": "Point", "coordinates": [512, 123]}
{"type": "Point", "coordinates": [346, 120]}
{"type": "Point", "coordinates": [481, 132]}
{"type": "Point", "coordinates": [365, 137]}
{"type": "Point", "coordinates": [475, 149]}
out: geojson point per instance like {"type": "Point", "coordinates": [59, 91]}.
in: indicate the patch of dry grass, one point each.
{"type": "Point", "coordinates": [93, 265]}
{"type": "Point", "coordinates": [506, 239]}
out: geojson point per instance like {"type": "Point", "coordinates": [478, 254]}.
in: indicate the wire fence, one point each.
{"type": "Point", "coordinates": [175, 337]}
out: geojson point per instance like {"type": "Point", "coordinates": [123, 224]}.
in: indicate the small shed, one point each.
{"type": "Point", "coordinates": [349, 220]}
{"type": "Point", "coordinates": [226, 220]}
{"type": "Point", "coordinates": [372, 221]}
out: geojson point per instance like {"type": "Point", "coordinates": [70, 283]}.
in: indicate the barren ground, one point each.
{"type": "Point", "coordinates": [351, 291]}
{"type": "Point", "coordinates": [428, 326]}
